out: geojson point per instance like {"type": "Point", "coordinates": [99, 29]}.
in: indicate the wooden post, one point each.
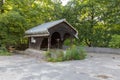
{"type": "Point", "coordinates": [29, 41]}
{"type": "Point", "coordinates": [49, 43]}
{"type": "Point", "coordinates": [58, 42]}
{"type": "Point", "coordinates": [71, 40]}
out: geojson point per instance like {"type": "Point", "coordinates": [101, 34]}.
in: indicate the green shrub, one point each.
{"type": "Point", "coordinates": [73, 53]}
{"type": "Point", "coordinates": [4, 52]}
{"type": "Point", "coordinates": [55, 55]}
{"type": "Point", "coordinates": [115, 41]}
{"type": "Point", "coordinates": [67, 42]}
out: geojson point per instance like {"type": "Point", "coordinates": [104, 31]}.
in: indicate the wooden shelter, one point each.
{"type": "Point", "coordinates": [50, 34]}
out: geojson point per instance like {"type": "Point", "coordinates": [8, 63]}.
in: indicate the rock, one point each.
{"type": "Point", "coordinates": [35, 53]}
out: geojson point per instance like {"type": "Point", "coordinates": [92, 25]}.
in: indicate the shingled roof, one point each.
{"type": "Point", "coordinates": [42, 29]}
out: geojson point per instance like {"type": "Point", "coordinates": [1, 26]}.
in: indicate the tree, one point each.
{"type": "Point", "coordinates": [95, 20]}
{"type": "Point", "coordinates": [92, 18]}
{"type": "Point", "coordinates": [21, 15]}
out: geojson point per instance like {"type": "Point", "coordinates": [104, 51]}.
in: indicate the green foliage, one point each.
{"type": "Point", "coordinates": [12, 28]}
{"type": "Point", "coordinates": [19, 15]}
{"type": "Point", "coordinates": [4, 52]}
{"type": "Point", "coordinates": [67, 42]}
{"type": "Point", "coordinates": [95, 20]}
{"type": "Point", "coordinates": [73, 53]}
{"type": "Point", "coordinates": [115, 41]}
{"type": "Point", "coordinates": [55, 55]}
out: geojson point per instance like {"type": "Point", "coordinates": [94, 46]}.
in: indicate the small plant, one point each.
{"type": "Point", "coordinates": [4, 52]}
{"type": "Point", "coordinates": [54, 55]}
{"type": "Point", "coordinates": [75, 53]}
{"type": "Point", "coordinates": [67, 42]}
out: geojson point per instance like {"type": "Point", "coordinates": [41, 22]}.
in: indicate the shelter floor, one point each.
{"type": "Point", "coordinates": [94, 67]}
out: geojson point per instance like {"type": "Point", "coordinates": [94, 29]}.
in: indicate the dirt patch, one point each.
{"type": "Point", "coordinates": [104, 76]}
{"type": "Point", "coordinates": [119, 65]}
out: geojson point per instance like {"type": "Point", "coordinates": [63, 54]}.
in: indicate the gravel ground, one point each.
{"type": "Point", "coordinates": [94, 67]}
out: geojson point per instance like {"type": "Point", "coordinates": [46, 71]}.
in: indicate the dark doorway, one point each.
{"type": "Point", "coordinates": [44, 44]}
{"type": "Point", "coordinates": [56, 40]}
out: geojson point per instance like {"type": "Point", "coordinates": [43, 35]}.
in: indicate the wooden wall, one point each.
{"type": "Point", "coordinates": [37, 44]}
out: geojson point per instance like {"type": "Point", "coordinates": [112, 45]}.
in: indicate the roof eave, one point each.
{"type": "Point", "coordinates": [71, 26]}
{"type": "Point", "coordinates": [37, 35]}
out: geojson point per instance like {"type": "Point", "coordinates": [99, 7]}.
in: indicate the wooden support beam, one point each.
{"type": "Point", "coordinates": [29, 41]}
{"type": "Point", "coordinates": [49, 43]}
{"type": "Point", "coordinates": [71, 40]}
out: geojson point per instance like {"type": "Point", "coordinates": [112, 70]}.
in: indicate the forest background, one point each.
{"type": "Point", "coordinates": [97, 21]}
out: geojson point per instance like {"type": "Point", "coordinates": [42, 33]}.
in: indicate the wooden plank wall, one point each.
{"type": "Point", "coordinates": [37, 44]}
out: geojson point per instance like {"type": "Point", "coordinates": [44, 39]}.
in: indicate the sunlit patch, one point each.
{"type": "Point", "coordinates": [64, 2]}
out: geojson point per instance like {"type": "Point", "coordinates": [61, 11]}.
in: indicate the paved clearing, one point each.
{"type": "Point", "coordinates": [95, 67]}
